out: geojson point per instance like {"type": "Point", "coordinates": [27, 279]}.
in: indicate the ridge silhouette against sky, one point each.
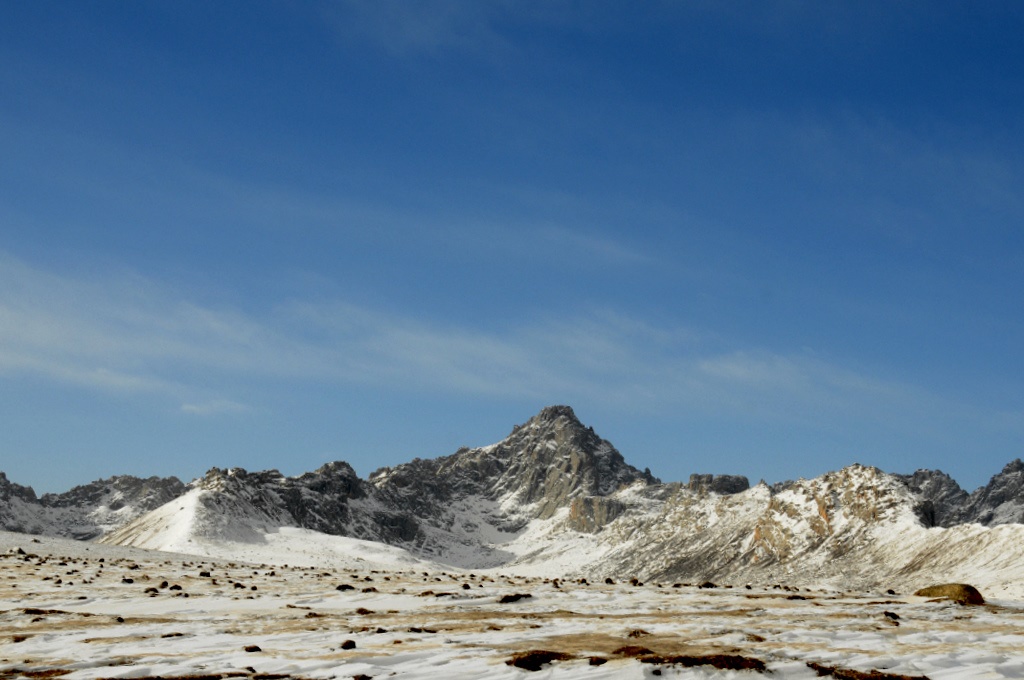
{"type": "Point", "coordinates": [768, 239]}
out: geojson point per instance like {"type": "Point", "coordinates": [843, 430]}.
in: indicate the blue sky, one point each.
{"type": "Point", "coordinates": [768, 239]}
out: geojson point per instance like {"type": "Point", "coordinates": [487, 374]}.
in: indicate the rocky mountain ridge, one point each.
{"type": "Point", "coordinates": [433, 507]}
{"type": "Point", "coordinates": [555, 495]}
{"type": "Point", "coordinates": [87, 511]}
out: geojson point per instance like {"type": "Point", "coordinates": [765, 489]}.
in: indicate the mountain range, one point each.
{"type": "Point", "coordinates": [554, 497]}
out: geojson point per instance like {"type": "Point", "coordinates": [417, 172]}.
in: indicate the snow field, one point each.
{"type": "Point", "coordinates": [60, 605]}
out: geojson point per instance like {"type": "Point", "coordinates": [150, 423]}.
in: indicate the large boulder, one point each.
{"type": "Point", "coordinates": [960, 593]}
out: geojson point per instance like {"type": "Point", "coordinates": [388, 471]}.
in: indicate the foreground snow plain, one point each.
{"type": "Point", "coordinates": [67, 609]}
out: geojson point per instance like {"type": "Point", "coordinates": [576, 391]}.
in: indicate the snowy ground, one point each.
{"type": "Point", "coordinates": [68, 610]}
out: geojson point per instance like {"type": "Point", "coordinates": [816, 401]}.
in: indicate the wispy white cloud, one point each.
{"type": "Point", "coordinates": [127, 334]}
{"type": "Point", "coordinates": [215, 407]}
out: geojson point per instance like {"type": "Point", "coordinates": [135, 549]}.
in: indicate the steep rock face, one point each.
{"type": "Point", "coordinates": [941, 498]}
{"type": "Point", "coordinates": [1001, 501]}
{"type": "Point", "coordinates": [540, 468]}
{"type": "Point", "coordinates": [589, 514]}
{"type": "Point", "coordinates": [19, 507]}
{"type": "Point", "coordinates": [554, 457]}
{"type": "Point", "coordinates": [9, 490]}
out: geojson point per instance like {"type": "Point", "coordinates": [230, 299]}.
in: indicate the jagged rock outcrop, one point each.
{"type": "Point", "coordinates": [9, 490]}
{"type": "Point", "coordinates": [316, 500]}
{"type": "Point", "coordinates": [17, 507]}
{"type": "Point", "coordinates": [1001, 501]}
{"type": "Point", "coordinates": [723, 484]}
{"type": "Point", "coordinates": [942, 500]}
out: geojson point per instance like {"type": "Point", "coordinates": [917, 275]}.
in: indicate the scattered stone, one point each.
{"type": "Point", "coordinates": [707, 584]}
{"type": "Point", "coordinates": [637, 632]}
{"type": "Point", "coordinates": [535, 658]}
{"type": "Point", "coordinates": [253, 648]}
{"type": "Point", "coordinates": [733, 662]}
{"type": "Point", "coordinates": [850, 674]}
{"type": "Point", "coordinates": [345, 586]}
{"type": "Point", "coordinates": [348, 644]}
{"type": "Point", "coordinates": [633, 650]}
{"type": "Point", "coordinates": [597, 660]}
{"type": "Point", "coordinates": [513, 597]}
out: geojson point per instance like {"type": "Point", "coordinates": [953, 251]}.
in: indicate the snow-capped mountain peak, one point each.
{"type": "Point", "coordinates": [554, 497]}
